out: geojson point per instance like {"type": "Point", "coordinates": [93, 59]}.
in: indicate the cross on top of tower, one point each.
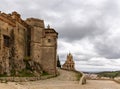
{"type": "Point", "coordinates": [48, 26]}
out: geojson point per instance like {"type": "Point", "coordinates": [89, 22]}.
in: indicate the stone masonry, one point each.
{"type": "Point", "coordinates": [26, 40]}
{"type": "Point", "coordinates": [69, 63]}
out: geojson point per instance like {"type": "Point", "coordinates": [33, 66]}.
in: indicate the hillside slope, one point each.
{"type": "Point", "coordinates": [68, 75]}
{"type": "Point", "coordinates": [65, 79]}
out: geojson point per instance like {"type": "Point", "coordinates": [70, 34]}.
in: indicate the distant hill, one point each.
{"type": "Point", "coordinates": [111, 74]}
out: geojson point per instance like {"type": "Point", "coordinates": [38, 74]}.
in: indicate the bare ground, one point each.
{"type": "Point", "coordinates": [66, 80]}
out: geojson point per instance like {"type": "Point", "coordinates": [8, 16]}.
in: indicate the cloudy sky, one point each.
{"type": "Point", "coordinates": [89, 29]}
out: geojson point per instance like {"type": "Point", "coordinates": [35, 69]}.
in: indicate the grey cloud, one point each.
{"type": "Point", "coordinates": [91, 22]}
{"type": "Point", "coordinates": [95, 64]}
{"type": "Point", "coordinates": [107, 50]}
{"type": "Point", "coordinates": [62, 57]}
{"type": "Point", "coordinates": [74, 31]}
{"type": "Point", "coordinates": [81, 59]}
{"type": "Point", "coordinates": [111, 8]}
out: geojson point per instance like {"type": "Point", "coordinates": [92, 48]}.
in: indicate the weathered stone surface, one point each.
{"type": "Point", "coordinates": [43, 45]}
{"type": "Point", "coordinates": [29, 39]}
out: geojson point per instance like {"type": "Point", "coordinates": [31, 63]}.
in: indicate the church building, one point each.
{"type": "Point", "coordinates": [69, 63]}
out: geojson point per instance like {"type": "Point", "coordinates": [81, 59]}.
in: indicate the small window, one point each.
{"type": "Point", "coordinates": [54, 39]}
{"type": "Point", "coordinates": [49, 40]}
{"type": "Point", "coordinates": [6, 40]}
{"type": "Point", "coordinates": [18, 30]}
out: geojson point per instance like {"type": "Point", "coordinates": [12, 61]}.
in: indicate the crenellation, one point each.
{"type": "Point", "coordinates": [16, 14]}
{"type": "Point", "coordinates": [34, 19]}
{"type": "Point", "coordinates": [7, 18]}
{"type": "Point", "coordinates": [35, 22]}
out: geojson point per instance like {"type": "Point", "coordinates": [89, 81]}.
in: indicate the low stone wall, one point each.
{"type": "Point", "coordinates": [83, 79]}
{"type": "Point", "coordinates": [24, 79]}
{"type": "Point", "coordinates": [117, 80]}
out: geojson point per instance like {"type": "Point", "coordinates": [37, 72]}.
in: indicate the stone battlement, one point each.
{"type": "Point", "coordinates": [12, 18]}
{"type": "Point", "coordinates": [35, 22]}
{"type": "Point", "coordinates": [7, 18]}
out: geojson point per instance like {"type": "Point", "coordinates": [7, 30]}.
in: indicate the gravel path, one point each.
{"type": "Point", "coordinates": [64, 81]}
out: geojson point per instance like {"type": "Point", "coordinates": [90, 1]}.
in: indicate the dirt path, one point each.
{"type": "Point", "coordinates": [101, 84]}
{"type": "Point", "coordinates": [64, 81]}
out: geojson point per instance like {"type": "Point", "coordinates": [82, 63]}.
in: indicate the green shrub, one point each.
{"type": "Point", "coordinates": [109, 74]}
{"type": "Point", "coordinates": [44, 73]}
{"type": "Point", "coordinates": [3, 75]}
{"type": "Point", "coordinates": [25, 73]}
{"type": "Point", "coordinates": [79, 75]}
{"type": "Point", "coordinates": [27, 58]}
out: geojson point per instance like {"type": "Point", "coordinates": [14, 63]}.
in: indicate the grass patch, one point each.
{"type": "Point", "coordinates": [45, 73]}
{"type": "Point", "coordinates": [78, 75]}
{"type": "Point", "coordinates": [3, 75]}
{"type": "Point", "coordinates": [109, 74]}
{"type": "Point", "coordinates": [25, 73]}
{"type": "Point", "coordinates": [27, 58]}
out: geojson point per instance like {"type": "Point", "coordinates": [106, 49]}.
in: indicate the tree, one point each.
{"type": "Point", "coordinates": [58, 62]}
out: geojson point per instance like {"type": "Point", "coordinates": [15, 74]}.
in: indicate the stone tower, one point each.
{"type": "Point", "coordinates": [43, 45]}
{"type": "Point", "coordinates": [69, 63]}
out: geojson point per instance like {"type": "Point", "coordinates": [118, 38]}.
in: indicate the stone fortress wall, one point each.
{"type": "Point", "coordinates": [26, 40]}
